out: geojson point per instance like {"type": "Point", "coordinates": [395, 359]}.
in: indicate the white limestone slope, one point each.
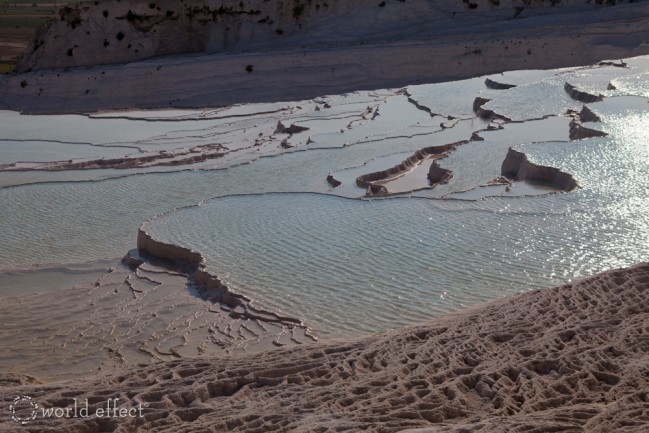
{"type": "Point", "coordinates": [325, 50]}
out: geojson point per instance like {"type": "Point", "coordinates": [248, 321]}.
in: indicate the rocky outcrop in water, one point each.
{"type": "Point", "coordinates": [478, 102]}
{"type": "Point", "coordinates": [174, 253]}
{"type": "Point", "coordinates": [581, 96]}
{"type": "Point", "coordinates": [580, 132]}
{"type": "Point", "coordinates": [587, 115]}
{"type": "Point", "coordinates": [516, 166]}
{"type": "Point", "coordinates": [577, 130]}
{"type": "Point", "coordinates": [293, 129]}
{"type": "Point", "coordinates": [491, 84]}
{"type": "Point", "coordinates": [331, 180]}
{"type": "Point", "coordinates": [617, 64]}
{"type": "Point", "coordinates": [376, 190]}
{"type": "Point", "coordinates": [367, 180]}
{"type": "Point", "coordinates": [438, 175]}
{"type": "Point", "coordinates": [484, 113]}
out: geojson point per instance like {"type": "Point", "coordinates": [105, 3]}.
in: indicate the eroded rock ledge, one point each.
{"type": "Point", "coordinates": [484, 113]}
{"type": "Point", "coordinates": [581, 96]}
{"type": "Point", "coordinates": [193, 264]}
{"type": "Point", "coordinates": [577, 130]}
{"type": "Point", "coordinates": [587, 115]}
{"type": "Point", "coordinates": [491, 84]}
{"type": "Point", "coordinates": [436, 174]}
{"type": "Point", "coordinates": [161, 158]}
{"type": "Point", "coordinates": [580, 132]}
{"type": "Point", "coordinates": [516, 166]}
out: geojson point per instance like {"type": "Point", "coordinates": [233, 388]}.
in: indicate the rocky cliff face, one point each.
{"type": "Point", "coordinates": [120, 31]}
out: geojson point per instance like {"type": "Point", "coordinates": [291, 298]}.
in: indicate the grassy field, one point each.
{"type": "Point", "coordinates": [6, 67]}
{"type": "Point", "coordinates": [18, 21]}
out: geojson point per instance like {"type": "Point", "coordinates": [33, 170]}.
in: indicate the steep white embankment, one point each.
{"type": "Point", "coordinates": [253, 51]}
{"type": "Point", "coordinates": [116, 31]}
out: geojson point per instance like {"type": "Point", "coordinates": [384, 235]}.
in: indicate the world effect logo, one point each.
{"type": "Point", "coordinates": [24, 409]}
{"type": "Point", "coordinates": [24, 419]}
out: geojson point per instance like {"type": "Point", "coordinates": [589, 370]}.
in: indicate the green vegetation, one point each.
{"type": "Point", "coordinates": [18, 22]}
{"type": "Point", "coordinates": [6, 67]}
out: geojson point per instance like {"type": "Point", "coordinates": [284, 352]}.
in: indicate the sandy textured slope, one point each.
{"type": "Point", "coordinates": [571, 358]}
